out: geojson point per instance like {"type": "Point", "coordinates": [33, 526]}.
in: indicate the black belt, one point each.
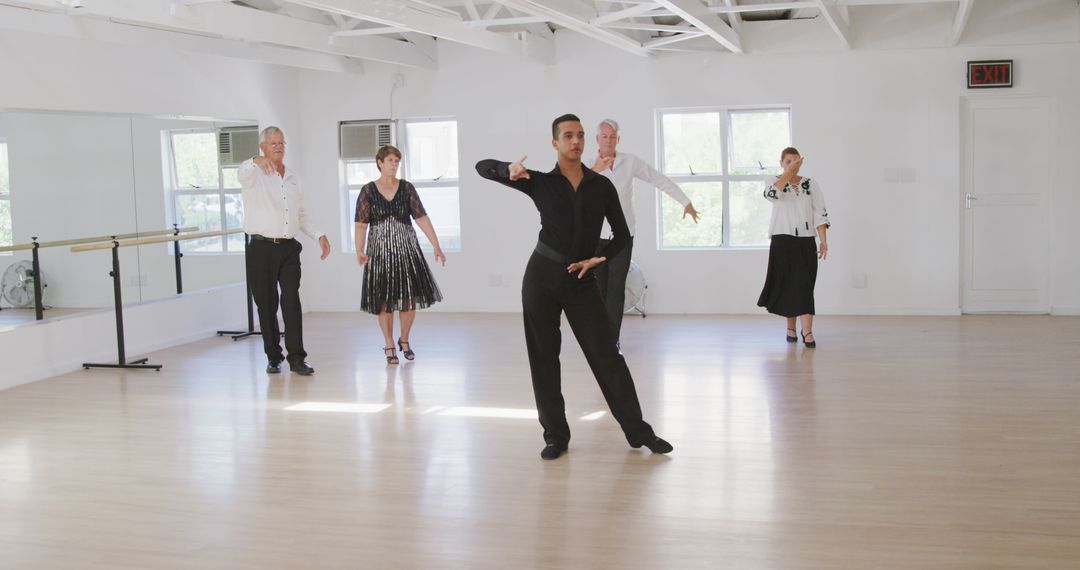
{"type": "Point", "coordinates": [258, 237]}
{"type": "Point", "coordinates": [550, 253]}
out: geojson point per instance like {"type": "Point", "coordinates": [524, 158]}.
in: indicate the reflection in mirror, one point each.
{"type": "Point", "coordinates": [185, 173]}
{"type": "Point", "coordinates": [67, 176]}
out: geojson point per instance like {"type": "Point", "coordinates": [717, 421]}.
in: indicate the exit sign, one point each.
{"type": "Point", "coordinates": [990, 74]}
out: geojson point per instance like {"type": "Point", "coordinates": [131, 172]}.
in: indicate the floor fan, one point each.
{"type": "Point", "coordinates": [635, 290]}
{"type": "Point", "coordinates": [17, 285]}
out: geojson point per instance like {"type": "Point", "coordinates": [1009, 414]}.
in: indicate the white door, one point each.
{"type": "Point", "coordinates": [1005, 198]}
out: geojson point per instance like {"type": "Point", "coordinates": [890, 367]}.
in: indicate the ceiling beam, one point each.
{"type": "Point", "coordinates": [577, 17]}
{"type": "Point", "coordinates": [893, 2]}
{"type": "Point", "coordinates": [505, 22]}
{"type": "Point", "coordinates": [492, 11]}
{"type": "Point", "coordinates": [470, 8]}
{"type": "Point", "coordinates": [230, 21]}
{"type": "Point", "coordinates": [367, 32]}
{"type": "Point", "coordinates": [632, 12]}
{"type": "Point", "coordinates": [398, 14]}
{"type": "Point", "coordinates": [963, 11]}
{"type": "Point", "coordinates": [658, 28]}
{"type": "Point", "coordinates": [60, 25]}
{"type": "Point", "coordinates": [434, 9]}
{"type": "Point", "coordinates": [704, 19]}
{"type": "Point", "coordinates": [836, 20]}
{"type": "Point", "coordinates": [763, 7]}
{"type": "Point", "coordinates": [668, 40]}
{"type": "Point", "coordinates": [734, 18]}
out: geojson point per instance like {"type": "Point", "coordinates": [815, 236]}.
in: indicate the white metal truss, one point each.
{"type": "Point", "coordinates": [338, 34]}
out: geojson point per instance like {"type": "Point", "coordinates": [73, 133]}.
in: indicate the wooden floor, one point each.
{"type": "Point", "coordinates": [898, 443]}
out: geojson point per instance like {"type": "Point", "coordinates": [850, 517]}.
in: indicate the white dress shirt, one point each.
{"type": "Point", "coordinates": [273, 204]}
{"type": "Point", "coordinates": [622, 173]}
{"type": "Point", "coordinates": [798, 209]}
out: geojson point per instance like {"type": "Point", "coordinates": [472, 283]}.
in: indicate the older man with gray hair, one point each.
{"type": "Point", "coordinates": [273, 216]}
{"type": "Point", "coordinates": [623, 168]}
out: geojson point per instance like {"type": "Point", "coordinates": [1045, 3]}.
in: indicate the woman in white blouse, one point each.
{"type": "Point", "coordinates": [798, 215]}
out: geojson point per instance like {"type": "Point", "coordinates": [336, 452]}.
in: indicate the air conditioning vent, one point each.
{"type": "Point", "coordinates": [361, 140]}
{"type": "Point", "coordinates": [237, 144]}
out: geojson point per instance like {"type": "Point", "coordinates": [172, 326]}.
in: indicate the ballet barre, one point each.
{"type": "Point", "coordinates": [115, 245]}
{"type": "Point", "coordinates": [35, 245]}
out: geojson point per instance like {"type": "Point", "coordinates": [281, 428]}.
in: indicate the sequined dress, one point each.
{"type": "Point", "coordinates": [396, 277]}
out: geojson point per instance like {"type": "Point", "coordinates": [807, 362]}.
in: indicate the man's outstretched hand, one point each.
{"type": "Point", "coordinates": [518, 170]}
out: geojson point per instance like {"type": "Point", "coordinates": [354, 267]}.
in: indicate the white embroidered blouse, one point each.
{"type": "Point", "coordinates": [798, 208]}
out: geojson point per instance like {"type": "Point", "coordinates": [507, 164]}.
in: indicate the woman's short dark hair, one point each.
{"type": "Point", "coordinates": [787, 151]}
{"type": "Point", "coordinates": [385, 151]}
{"type": "Point", "coordinates": [562, 119]}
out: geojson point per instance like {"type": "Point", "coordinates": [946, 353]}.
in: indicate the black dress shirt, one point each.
{"type": "Point", "coordinates": [570, 221]}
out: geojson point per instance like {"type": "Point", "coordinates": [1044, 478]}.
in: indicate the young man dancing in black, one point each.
{"type": "Point", "coordinates": [573, 202]}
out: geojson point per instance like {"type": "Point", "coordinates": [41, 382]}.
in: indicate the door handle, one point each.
{"type": "Point", "coordinates": [968, 197]}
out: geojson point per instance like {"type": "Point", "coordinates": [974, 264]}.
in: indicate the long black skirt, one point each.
{"type": "Point", "coordinates": [397, 277]}
{"type": "Point", "coordinates": [789, 284]}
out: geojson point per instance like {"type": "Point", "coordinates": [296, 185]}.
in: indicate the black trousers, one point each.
{"type": "Point", "coordinates": [612, 276]}
{"type": "Point", "coordinates": [547, 291]}
{"type": "Point", "coordinates": [270, 266]}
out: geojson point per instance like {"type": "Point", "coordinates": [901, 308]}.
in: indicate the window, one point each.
{"type": "Point", "coordinates": [201, 175]}
{"type": "Point", "coordinates": [720, 157]}
{"type": "Point", "coordinates": [430, 163]}
{"type": "Point", "coordinates": [6, 236]}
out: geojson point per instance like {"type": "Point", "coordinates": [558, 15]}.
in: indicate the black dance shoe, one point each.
{"type": "Point", "coordinates": [809, 344]}
{"type": "Point", "coordinates": [302, 369]}
{"type": "Point", "coordinates": [406, 350]}
{"type": "Point", "coordinates": [274, 367]}
{"type": "Point", "coordinates": [552, 451]}
{"type": "Point", "coordinates": [656, 445]}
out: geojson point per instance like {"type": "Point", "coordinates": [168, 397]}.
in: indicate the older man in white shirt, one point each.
{"type": "Point", "coordinates": [273, 215]}
{"type": "Point", "coordinates": [623, 168]}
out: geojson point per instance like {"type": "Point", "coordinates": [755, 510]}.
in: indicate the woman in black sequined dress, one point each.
{"type": "Point", "coordinates": [396, 275]}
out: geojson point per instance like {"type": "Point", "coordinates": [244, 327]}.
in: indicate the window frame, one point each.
{"type": "Point", "coordinates": [5, 195]}
{"type": "Point", "coordinates": [175, 192]}
{"type": "Point", "coordinates": [400, 140]}
{"type": "Point", "coordinates": [724, 177]}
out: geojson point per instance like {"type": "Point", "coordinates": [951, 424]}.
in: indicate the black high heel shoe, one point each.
{"type": "Point", "coordinates": [791, 337]}
{"type": "Point", "coordinates": [409, 354]}
{"type": "Point", "coordinates": [655, 445]}
{"type": "Point", "coordinates": [809, 344]}
{"type": "Point", "coordinates": [392, 357]}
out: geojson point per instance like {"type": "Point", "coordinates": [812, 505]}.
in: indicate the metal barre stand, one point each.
{"type": "Point", "coordinates": [121, 361]}
{"type": "Point", "coordinates": [237, 335]}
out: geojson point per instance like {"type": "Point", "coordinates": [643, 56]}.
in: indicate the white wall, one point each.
{"type": "Point", "coordinates": [50, 72]}
{"type": "Point", "coordinates": [855, 114]}
{"type": "Point", "coordinates": [37, 350]}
